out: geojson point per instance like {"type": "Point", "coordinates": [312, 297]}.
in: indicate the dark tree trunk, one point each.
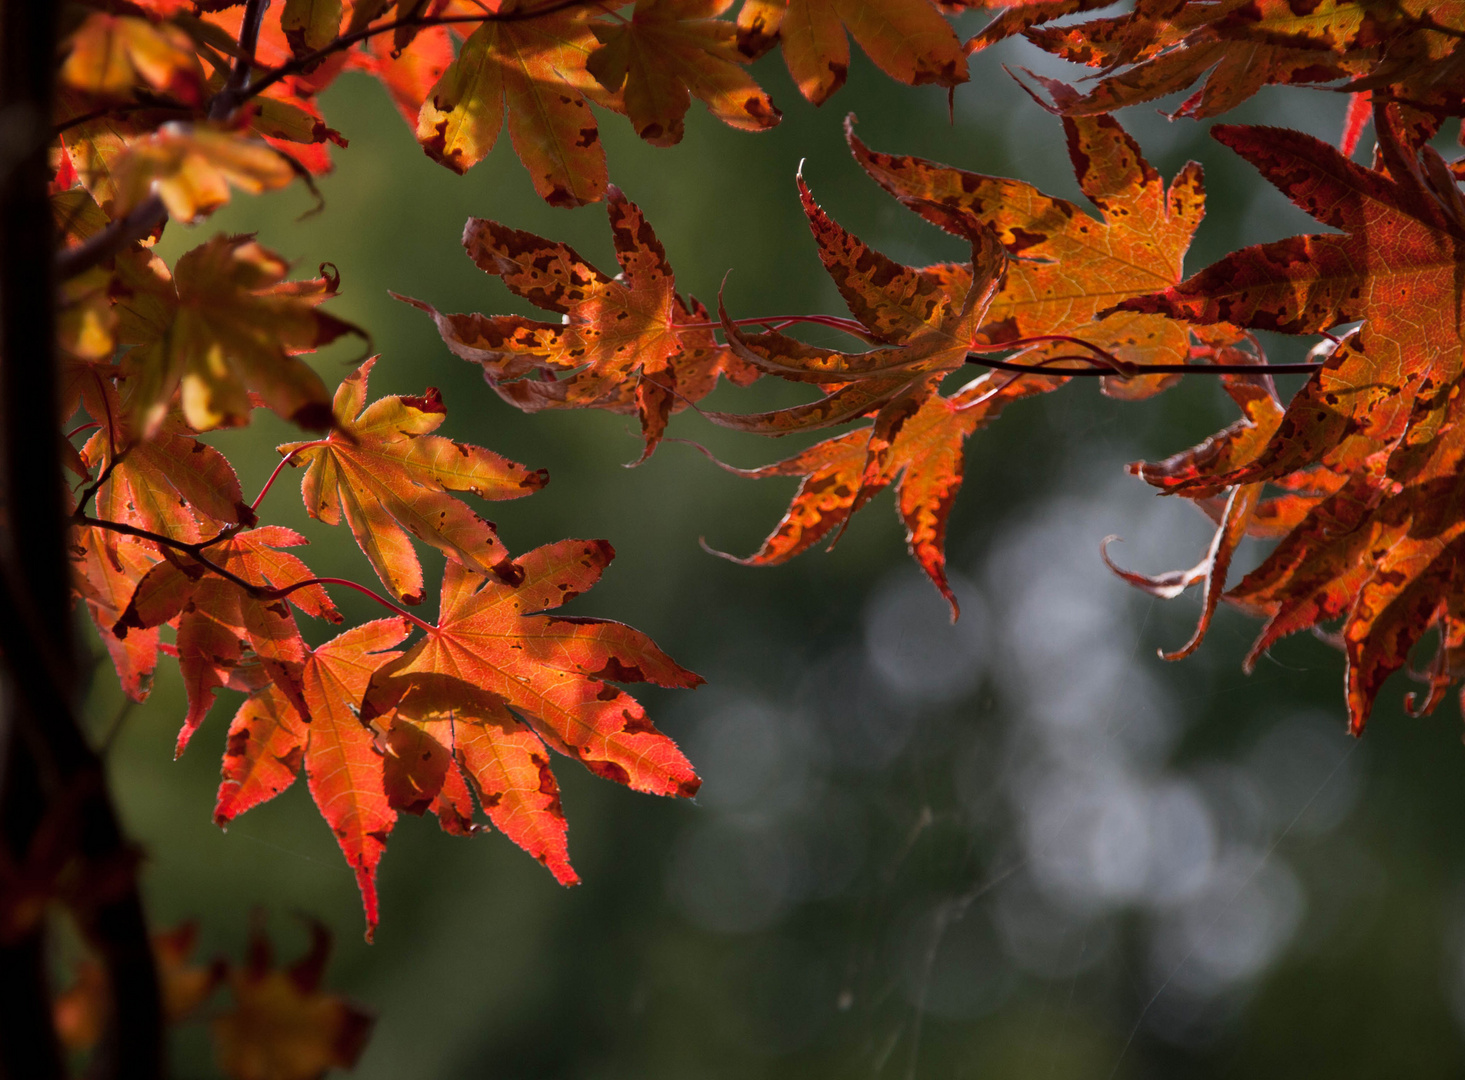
{"type": "Point", "coordinates": [55, 811]}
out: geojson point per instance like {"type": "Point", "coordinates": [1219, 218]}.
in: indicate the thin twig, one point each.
{"type": "Point", "coordinates": [137, 224]}
{"type": "Point", "coordinates": [280, 468]}
{"type": "Point", "coordinates": [113, 461]}
{"type": "Point", "coordinates": [194, 550]}
{"type": "Point", "coordinates": [1041, 368]}
{"type": "Point", "coordinates": [421, 624]}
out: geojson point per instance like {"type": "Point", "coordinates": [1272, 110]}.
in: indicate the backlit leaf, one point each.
{"type": "Point", "coordinates": [383, 470]}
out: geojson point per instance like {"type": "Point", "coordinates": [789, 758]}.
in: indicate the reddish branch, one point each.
{"type": "Point", "coordinates": [195, 551]}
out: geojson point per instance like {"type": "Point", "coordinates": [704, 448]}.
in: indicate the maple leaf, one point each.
{"type": "Point", "coordinates": [191, 168]}
{"type": "Point", "coordinates": [1379, 543]}
{"type": "Point", "coordinates": [271, 736]}
{"type": "Point", "coordinates": [925, 331]}
{"type": "Point", "coordinates": [383, 469]}
{"type": "Point", "coordinates": [669, 50]}
{"type": "Point", "coordinates": [625, 343]}
{"type": "Point", "coordinates": [493, 648]}
{"type": "Point", "coordinates": [907, 39]}
{"type": "Point", "coordinates": [1064, 269]}
{"type": "Point", "coordinates": [1238, 512]}
{"type": "Point", "coordinates": [219, 619]}
{"type": "Point", "coordinates": [282, 1025]}
{"type": "Point", "coordinates": [923, 460]}
{"type": "Point", "coordinates": [225, 322]}
{"type": "Point", "coordinates": [96, 144]}
{"type": "Point", "coordinates": [536, 70]}
{"type": "Point", "coordinates": [1411, 51]}
{"type": "Point", "coordinates": [1163, 46]}
{"type": "Point", "coordinates": [482, 697]}
{"type": "Point", "coordinates": [924, 326]}
{"type": "Point", "coordinates": [1394, 266]}
{"type": "Point", "coordinates": [1067, 266]}
{"type": "Point", "coordinates": [170, 484]}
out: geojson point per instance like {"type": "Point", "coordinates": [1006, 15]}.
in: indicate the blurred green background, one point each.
{"type": "Point", "coordinates": [1018, 847]}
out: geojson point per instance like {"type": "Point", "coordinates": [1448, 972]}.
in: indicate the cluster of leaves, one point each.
{"type": "Point", "coordinates": [162, 108]}
{"type": "Point", "coordinates": [280, 1025]}
{"type": "Point", "coordinates": [147, 106]}
{"type": "Point", "coordinates": [1362, 465]}
{"type": "Point", "coordinates": [165, 106]}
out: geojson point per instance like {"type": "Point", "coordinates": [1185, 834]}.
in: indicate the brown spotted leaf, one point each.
{"type": "Point", "coordinates": [1067, 266]}
{"type": "Point", "coordinates": [1370, 453]}
{"type": "Point", "coordinates": [533, 70]}
{"type": "Point", "coordinates": [623, 343]}
{"type": "Point", "coordinates": [1395, 266]}
{"type": "Point", "coordinates": [923, 459]}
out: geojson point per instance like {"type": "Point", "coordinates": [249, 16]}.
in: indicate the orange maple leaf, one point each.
{"type": "Point", "coordinates": [496, 681]}
{"type": "Point", "coordinates": [388, 475]}
{"type": "Point", "coordinates": [271, 736]}
{"type": "Point", "coordinates": [923, 460]}
{"type": "Point", "coordinates": [669, 50]}
{"type": "Point", "coordinates": [536, 70]}
{"type": "Point", "coordinates": [1068, 267]}
{"type": "Point", "coordinates": [907, 39]}
{"type": "Point", "coordinates": [1380, 545]}
{"type": "Point", "coordinates": [628, 344]}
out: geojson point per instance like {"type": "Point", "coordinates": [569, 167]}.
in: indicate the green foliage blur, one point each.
{"type": "Point", "coordinates": [1021, 847]}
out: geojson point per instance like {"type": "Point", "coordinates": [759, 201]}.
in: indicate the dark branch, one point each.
{"type": "Point", "coordinates": [139, 223]}
{"type": "Point", "coordinates": [1044, 368]}
{"type": "Point", "coordinates": [230, 98]}
{"type": "Point", "coordinates": [55, 810]}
